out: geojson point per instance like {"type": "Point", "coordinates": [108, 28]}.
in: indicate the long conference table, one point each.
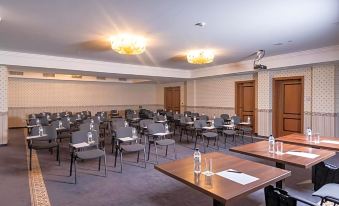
{"type": "Point", "coordinates": [233, 177]}
{"type": "Point", "coordinates": [328, 143]}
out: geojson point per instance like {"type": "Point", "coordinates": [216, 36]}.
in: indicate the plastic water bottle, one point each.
{"type": "Point", "coordinates": [91, 126]}
{"type": "Point", "coordinates": [194, 118]}
{"type": "Point", "coordinates": [214, 116]}
{"type": "Point", "coordinates": [186, 115]}
{"type": "Point", "coordinates": [197, 161]}
{"type": "Point", "coordinates": [92, 121]}
{"type": "Point", "coordinates": [309, 134]}
{"type": "Point", "coordinates": [249, 120]}
{"type": "Point", "coordinates": [68, 119]}
{"type": "Point", "coordinates": [166, 128]}
{"type": "Point", "coordinates": [60, 124]}
{"type": "Point", "coordinates": [41, 131]}
{"type": "Point", "coordinates": [38, 122]}
{"type": "Point", "coordinates": [271, 144]}
{"type": "Point", "coordinates": [89, 137]}
{"type": "Point", "coordinates": [134, 132]}
{"type": "Point", "coordinates": [232, 121]}
{"type": "Point", "coordinates": [126, 124]}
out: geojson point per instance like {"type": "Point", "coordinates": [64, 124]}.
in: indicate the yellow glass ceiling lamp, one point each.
{"type": "Point", "coordinates": [128, 44]}
{"type": "Point", "coordinates": [201, 56]}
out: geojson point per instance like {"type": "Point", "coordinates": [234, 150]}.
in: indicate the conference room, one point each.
{"type": "Point", "coordinates": [169, 103]}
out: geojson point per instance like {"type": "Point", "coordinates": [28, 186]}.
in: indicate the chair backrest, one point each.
{"type": "Point", "coordinates": [65, 123]}
{"type": "Point", "coordinates": [195, 114]}
{"type": "Point", "coordinates": [225, 116]}
{"type": "Point", "coordinates": [156, 128]}
{"type": "Point", "coordinates": [124, 132]}
{"type": "Point", "coordinates": [44, 121]}
{"type": "Point", "coordinates": [86, 127]}
{"type": "Point", "coordinates": [278, 197]}
{"type": "Point", "coordinates": [218, 122]}
{"type": "Point", "coordinates": [187, 112]}
{"type": "Point", "coordinates": [82, 136]}
{"type": "Point", "coordinates": [145, 122]}
{"type": "Point", "coordinates": [236, 119]}
{"type": "Point", "coordinates": [55, 124]}
{"type": "Point", "coordinates": [203, 117]}
{"type": "Point", "coordinates": [198, 124]}
{"type": "Point", "coordinates": [159, 118]}
{"type": "Point", "coordinates": [50, 131]}
{"type": "Point", "coordinates": [33, 122]}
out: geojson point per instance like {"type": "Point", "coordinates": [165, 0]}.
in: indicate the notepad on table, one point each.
{"type": "Point", "coordinates": [303, 154]}
{"type": "Point", "coordinates": [238, 177]}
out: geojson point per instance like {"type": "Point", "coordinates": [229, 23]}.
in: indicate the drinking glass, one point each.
{"type": "Point", "coordinates": [316, 138]}
{"type": "Point", "coordinates": [279, 148]}
{"type": "Point", "coordinates": [208, 167]}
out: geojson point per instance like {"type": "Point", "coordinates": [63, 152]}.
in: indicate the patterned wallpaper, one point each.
{"type": "Point", "coordinates": [3, 89]}
{"type": "Point", "coordinates": [216, 91]}
{"type": "Point", "coordinates": [44, 93]}
{"type": "Point", "coordinates": [336, 85]}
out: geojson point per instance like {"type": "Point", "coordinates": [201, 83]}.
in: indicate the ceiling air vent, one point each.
{"type": "Point", "coordinates": [76, 76]}
{"type": "Point", "coordinates": [122, 79]}
{"type": "Point", "coordinates": [48, 75]}
{"type": "Point", "coordinates": [101, 78]}
{"type": "Point", "coordinates": [16, 73]}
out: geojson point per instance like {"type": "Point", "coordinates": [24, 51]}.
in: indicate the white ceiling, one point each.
{"type": "Point", "coordinates": [235, 29]}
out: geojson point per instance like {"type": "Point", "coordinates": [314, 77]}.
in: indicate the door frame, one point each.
{"type": "Point", "coordinates": [177, 87]}
{"type": "Point", "coordinates": [255, 100]}
{"type": "Point", "coordinates": [275, 97]}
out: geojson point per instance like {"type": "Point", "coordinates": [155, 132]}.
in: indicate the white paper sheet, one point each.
{"type": "Point", "coordinates": [330, 141]}
{"type": "Point", "coordinates": [80, 145]}
{"type": "Point", "coordinates": [208, 127]}
{"type": "Point", "coordinates": [240, 178]}
{"type": "Point", "coordinates": [36, 136]}
{"type": "Point", "coordinates": [162, 133]}
{"type": "Point", "coordinates": [303, 154]}
{"type": "Point", "coordinates": [126, 139]}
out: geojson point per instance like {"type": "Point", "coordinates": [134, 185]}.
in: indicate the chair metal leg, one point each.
{"type": "Point", "coordinates": [166, 150]}
{"type": "Point", "coordinates": [121, 161]}
{"type": "Point", "coordinates": [58, 154]}
{"type": "Point", "coordinates": [203, 143]}
{"type": "Point", "coordinates": [217, 140]}
{"type": "Point", "coordinates": [175, 152]}
{"type": "Point", "coordinates": [149, 150]}
{"type": "Point", "coordinates": [71, 165]}
{"type": "Point", "coordinates": [30, 158]}
{"type": "Point", "coordinates": [145, 156]}
{"type": "Point", "coordinates": [105, 162]}
{"type": "Point", "coordinates": [75, 170]}
{"type": "Point", "coordinates": [99, 164]}
{"type": "Point", "coordinates": [115, 157]}
{"type": "Point", "coordinates": [156, 152]}
{"type": "Point", "coordinates": [138, 157]}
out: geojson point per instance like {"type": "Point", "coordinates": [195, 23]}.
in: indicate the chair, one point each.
{"type": "Point", "coordinates": [328, 192]}
{"type": "Point", "coordinates": [279, 197]}
{"type": "Point", "coordinates": [160, 140]}
{"type": "Point", "coordinates": [116, 124]}
{"type": "Point", "coordinates": [63, 133]}
{"type": "Point", "coordinates": [143, 126]}
{"type": "Point", "coordinates": [86, 153]}
{"type": "Point", "coordinates": [184, 127]}
{"type": "Point", "coordinates": [209, 134]}
{"type": "Point", "coordinates": [187, 113]}
{"type": "Point", "coordinates": [133, 146]}
{"type": "Point", "coordinates": [42, 143]}
{"type": "Point", "coordinates": [226, 117]}
{"type": "Point", "coordinates": [246, 130]}
{"type": "Point", "coordinates": [203, 117]}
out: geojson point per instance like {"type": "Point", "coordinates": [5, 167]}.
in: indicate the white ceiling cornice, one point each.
{"type": "Point", "coordinates": [54, 62]}
{"type": "Point", "coordinates": [307, 57]}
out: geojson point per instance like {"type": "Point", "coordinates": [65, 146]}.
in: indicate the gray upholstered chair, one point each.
{"type": "Point", "coordinates": [205, 134]}
{"type": "Point", "coordinates": [225, 117]}
{"type": "Point", "coordinates": [47, 141]}
{"type": "Point", "coordinates": [203, 117]}
{"type": "Point", "coordinates": [328, 192]}
{"type": "Point", "coordinates": [63, 133]}
{"type": "Point", "coordinates": [89, 152]}
{"type": "Point", "coordinates": [157, 135]}
{"type": "Point", "coordinates": [133, 146]}
{"type": "Point", "coordinates": [116, 124]}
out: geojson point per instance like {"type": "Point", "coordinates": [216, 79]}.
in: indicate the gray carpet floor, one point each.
{"type": "Point", "coordinates": [134, 186]}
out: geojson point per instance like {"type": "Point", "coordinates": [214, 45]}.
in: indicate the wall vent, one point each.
{"type": "Point", "coordinates": [122, 79]}
{"type": "Point", "coordinates": [48, 75]}
{"type": "Point", "coordinates": [15, 73]}
{"type": "Point", "coordinates": [101, 78]}
{"type": "Point", "coordinates": [76, 76]}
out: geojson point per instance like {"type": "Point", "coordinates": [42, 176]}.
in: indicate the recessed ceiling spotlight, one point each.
{"type": "Point", "coordinates": [200, 24]}
{"type": "Point", "coordinates": [289, 41]}
{"type": "Point", "coordinates": [278, 44]}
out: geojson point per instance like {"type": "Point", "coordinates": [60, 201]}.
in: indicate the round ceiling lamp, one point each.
{"type": "Point", "coordinates": [128, 44]}
{"type": "Point", "coordinates": [200, 56]}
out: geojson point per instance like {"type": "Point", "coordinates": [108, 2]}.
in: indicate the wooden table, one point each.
{"type": "Point", "coordinates": [260, 150]}
{"type": "Point", "coordinates": [300, 139]}
{"type": "Point", "coordinates": [223, 190]}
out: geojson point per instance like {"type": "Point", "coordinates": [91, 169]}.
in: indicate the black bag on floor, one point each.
{"type": "Point", "coordinates": [278, 197]}
{"type": "Point", "coordinates": [324, 173]}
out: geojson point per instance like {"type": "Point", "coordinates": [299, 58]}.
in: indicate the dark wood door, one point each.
{"type": "Point", "coordinates": [172, 98]}
{"type": "Point", "coordinates": [288, 106]}
{"type": "Point", "coordinates": [245, 101]}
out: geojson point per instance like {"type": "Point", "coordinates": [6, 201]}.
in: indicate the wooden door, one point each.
{"type": "Point", "coordinates": [172, 99]}
{"type": "Point", "coordinates": [245, 101]}
{"type": "Point", "coordinates": [288, 106]}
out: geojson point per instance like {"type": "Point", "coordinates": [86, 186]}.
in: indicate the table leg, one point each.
{"type": "Point", "coordinates": [218, 203]}
{"type": "Point", "coordinates": [280, 184]}
{"type": "Point", "coordinates": [71, 166]}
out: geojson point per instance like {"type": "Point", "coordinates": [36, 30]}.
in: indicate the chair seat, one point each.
{"type": "Point", "coordinates": [210, 134]}
{"type": "Point", "coordinates": [40, 144]}
{"type": "Point", "coordinates": [229, 132]}
{"type": "Point", "coordinates": [90, 154]}
{"type": "Point", "coordinates": [132, 147]}
{"type": "Point", "coordinates": [329, 190]}
{"type": "Point", "coordinates": [165, 142]}
{"type": "Point", "coordinates": [64, 135]}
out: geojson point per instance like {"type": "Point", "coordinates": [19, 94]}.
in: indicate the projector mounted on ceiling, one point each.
{"type": "Point", "coordinates": [256, 64]}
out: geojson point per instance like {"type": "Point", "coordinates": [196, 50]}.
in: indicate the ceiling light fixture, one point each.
{"type": "Point", "coordinates": [200, 56]}
{"type": "Point", "coordinates": [128, 44]}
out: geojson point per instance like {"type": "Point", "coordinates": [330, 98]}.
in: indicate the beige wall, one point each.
{"type": "Point", "coordinates": [3, 105]}
{"type": "Point", "coordinates": [336, 95]}
{"type": "Point", "coordinates": [33, 95]}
